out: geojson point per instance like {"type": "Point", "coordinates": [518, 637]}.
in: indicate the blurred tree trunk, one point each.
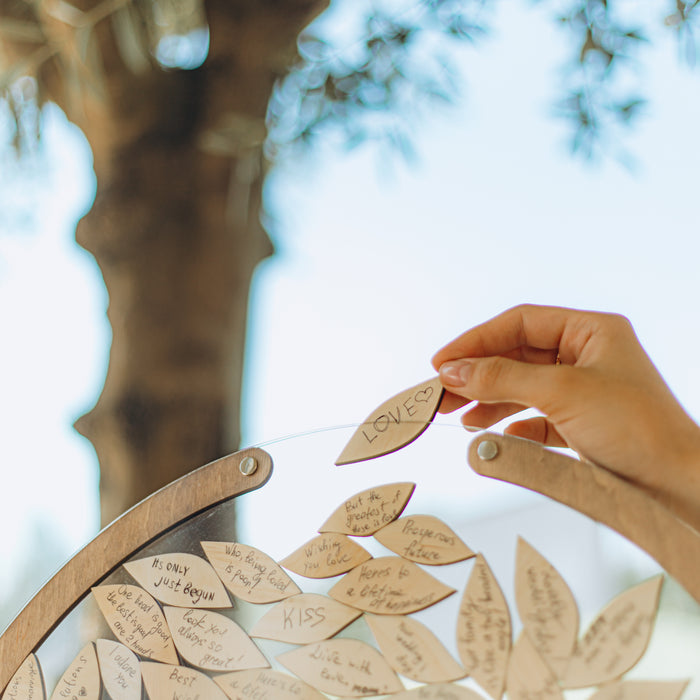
{"type": "Point", "coordinates": [175, 229]}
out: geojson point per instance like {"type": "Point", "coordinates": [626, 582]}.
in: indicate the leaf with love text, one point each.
{"type": "Point", "coordinates": [395, 424]}
{"type": "Point", "coordinates": [328, 554]}
{"type": "Point", "coordinates": [265, 685]}
{"type": "Point", "coordinates": [413, 650]}
{"type": "Point", "coordinates": [389, 586]}
{"type": "Point", "coordinates": [27, 683]}
{"type": "Point", "coordinates": [249, 573]}
{"type": "Point", "coordinates": [484, 629]}
{"type": "Point", "coordinates": [528, 675]}
{"type": "Point", "coordinates": [120, 670]}
{"type": "Point", "coordinates": [168, 682]}
{"type": "Point", "coordinates": [212, 641]}
{"type": "Point", "coordinates": [424, 539]}
{"type": "Point", "coordinates": [546, 606]}
{"type": "Point", "coordinates": [81, 679]}
{"type": "Point", "coordinates": [641, 690]}
{"type": "Point", "coordinates": [304, 619]}
{"type": "Point", "coordinates": [136, 621]}
{"type": "Point", "coordinates": [345, 667]}
{"type": "Point", "coordinates": [368, 511]}
{"type": "Point", "coordinates": [617, 638]}
{"type": "Point", "coordinates": [438, 691]}
{"type": "Point", "coordinates": [183, 580]}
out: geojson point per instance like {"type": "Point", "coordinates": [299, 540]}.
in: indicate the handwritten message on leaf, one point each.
{"type": "Point", "coordinates": [136, 621]}
{"type": "Point", "coordinates": [424, 539]}
{"type": "Point", "coordinates": [345, 667]}
{"type": "Point", "coordinates": [389, 586]}
{"type": "Point", "coordinates": [484, 630]}
{"type": "Point", "coordinates": [368, 511]}
{"type": "Point", "coordinates": [81, 680]}
{"type": "Point", "coordinates": [304, 619]}
{"type": "Point", "coordinates": [249, 573]}
{"type": "Point", "coordinates": [172, 682]}
{"type": "Point", "coordinates": [546, 607]}
{"type": "Point", "coordinates": [397, 422]}
{"type": "Point", "coordinates": [266, 685]}
{"type": "Point", "coordinates": [328, 554]}
{"type": "Point", "coordinates": [183, 580]}
{"type": "Point", "coordinates": [528, 675]}
{"type": "Point", "coordinates": [27, 683]}
{"type": "Point", "coordinates": [438, 691]}
{"type": "Point", "coordinates": [617, 638]}
{"type": "Point", "coordinates": [120, 670]}
{"type": "Point", "coordinates": [641, 690]}
{"type": "Point", "coordinates": [212, 641]}
{"type": "Point", "coordinates": [413, 650]}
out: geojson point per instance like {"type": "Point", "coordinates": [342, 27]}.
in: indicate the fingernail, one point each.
{"type": "Point", "coordinates": [455, 373]}
{"type": "Point", "coordinates": [473, 429]}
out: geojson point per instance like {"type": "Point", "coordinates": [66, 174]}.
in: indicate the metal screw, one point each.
{"type": "Point", "coordinates": [487, 450]}
{"type": "Point", "coordinates": [248, 466]}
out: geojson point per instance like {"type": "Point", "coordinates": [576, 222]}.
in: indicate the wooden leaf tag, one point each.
{"type": "Point", "coordinates": [212, 641]}
{"type": "Point", "coordinates": [329, 554]}
{"type": "Point", "coordinates": [484, 630]}
{"type": "Point", "coordinates": [641, 690]}
{"type": "Point", "coordinates": [424, 539]}
{"type": "Point", "coordinates": [136, 621]}
{"type": "Point", "coordinates": [249, 573]}
{"type": "Point", "coordinates": [438, 691]}
{"type": "Point", "coordinates": [395, 424]}
{"type": "Point", "coordinates": [184, 580]}
{"type": "Point", "coordinates": [617, 638]}
{"type": "Point", "coordinates": [528, 675]}
{"type": "Point", "coordinates": [368, 511]}
{"type": "Point", "coordinates": [389, 586]}
{"type": "Point", "coordinates": [413, 650]}
{"type": "Point", "coordinates": [547, 608]}
{"type": "Point", "coordinates": [81, 680]}
{"type": "Point", "coordinates": [27, 683]}
{"type": "Point", "coordinates": [120, 670]}
{"type": "Point", "coordinates": [170, 682]}
{"type": "Point", "coordinates": [345, 667]}
{"type": "Point", "coordinates": [304, 619]}
{"type": "Point", "coordinates": [266, 685]}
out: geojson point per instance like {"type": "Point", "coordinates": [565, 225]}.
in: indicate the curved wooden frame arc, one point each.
{"type": "Point", "coordinates": [599, 494]}
{"type": "Point", "coordinates": [193, 493]}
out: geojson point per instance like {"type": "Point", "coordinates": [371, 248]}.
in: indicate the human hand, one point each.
{"type": "Point", "coordinates": [606, 400]}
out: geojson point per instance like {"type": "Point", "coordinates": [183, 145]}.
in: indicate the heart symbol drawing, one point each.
{"type": "Point", "coordinates": [424, 395]}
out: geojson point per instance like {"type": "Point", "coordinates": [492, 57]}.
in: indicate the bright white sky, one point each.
{"type": "Point", "coordinates": [376, 267]}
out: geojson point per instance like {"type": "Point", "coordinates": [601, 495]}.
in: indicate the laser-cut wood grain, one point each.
{"type": "Point", "coordinates": [27, 683]}
{"type": "Point", "coordinates": [265, 685]}
{"type": "Point", "coordinates": [326, 555]}
{"type": "Point", "coordinates": [120, 670]}
{"type": "Point", "coordinates": [81, 680]}
{"type": "Point", "coordinates": [528, 675]}
{"type": "Point", "coordinates": [641, 690]}
{"type": "Point", "coordinates": [304, 619]}
{"type": "Point", "coordinates": [180, 579]}
{"type": "Point", "coordinates": [413, 650]}
{"type": "Point", "coordinates": [173, 682]}
{"type": "Point", "coordinates": [438, 691]}
{"type": "Point", "coordinates": [395, 423]}
{"type": "Point", "coordinates": [368, 511]}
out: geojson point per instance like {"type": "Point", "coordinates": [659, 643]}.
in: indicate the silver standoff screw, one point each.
{"type": "Point", "coordinates": [487, 450]}
{"type": "Point", "coordinates": [248, 466]}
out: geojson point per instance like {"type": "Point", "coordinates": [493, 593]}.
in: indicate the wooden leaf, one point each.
{"type": "Point", "coordinates": [171, 682]}
{"type": "Point", "coordinates": [183, 580]}
{"type": "Point", "coordinates": [136, 621]}
{"type": "Point", "coordinates": [249, 573]}
{"type": "Point", "coordinates": [345, 667]}
{"type": "Point", "coordinates": [389, 586]}
{"type": "Point", "coordinates": [413, 650]}
{"type": "Point", "coordinates": [27, 683]}
{"type": "Point", "coordinates": [120, 670]}
{"type": "Point", "coordinates": [546, 607]}
{"type": "Point", "coordinates": [212, 641]}
{"type": "Point", "coordinates": [265, 685]}
{"type": "Point", "coordinates": [424, 539]}
{"type": "Point", "coordinates": [528, 674]}
{"type": "Point", "coordinates": [617, 638]}
{"type": "Point", "coordinates": [438, 691]}
{"type": "Point", "coordinates": [329, 554]}
{"type": "Point", "coordinates": [304, 619]}
{"type": "Point", "coordinates": [395, 423]}
{"type": "Point", "coordinates": [368, 511]}
{"type": "Point", "coordinates": [641, 690]}
{"type": "Point", "coordinates": [484, 630]}
{"type": "Point", "coordinates": [81, 680]}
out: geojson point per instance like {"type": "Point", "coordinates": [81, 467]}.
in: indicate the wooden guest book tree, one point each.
{"type": "Point", "coordinates": [191, 614]}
